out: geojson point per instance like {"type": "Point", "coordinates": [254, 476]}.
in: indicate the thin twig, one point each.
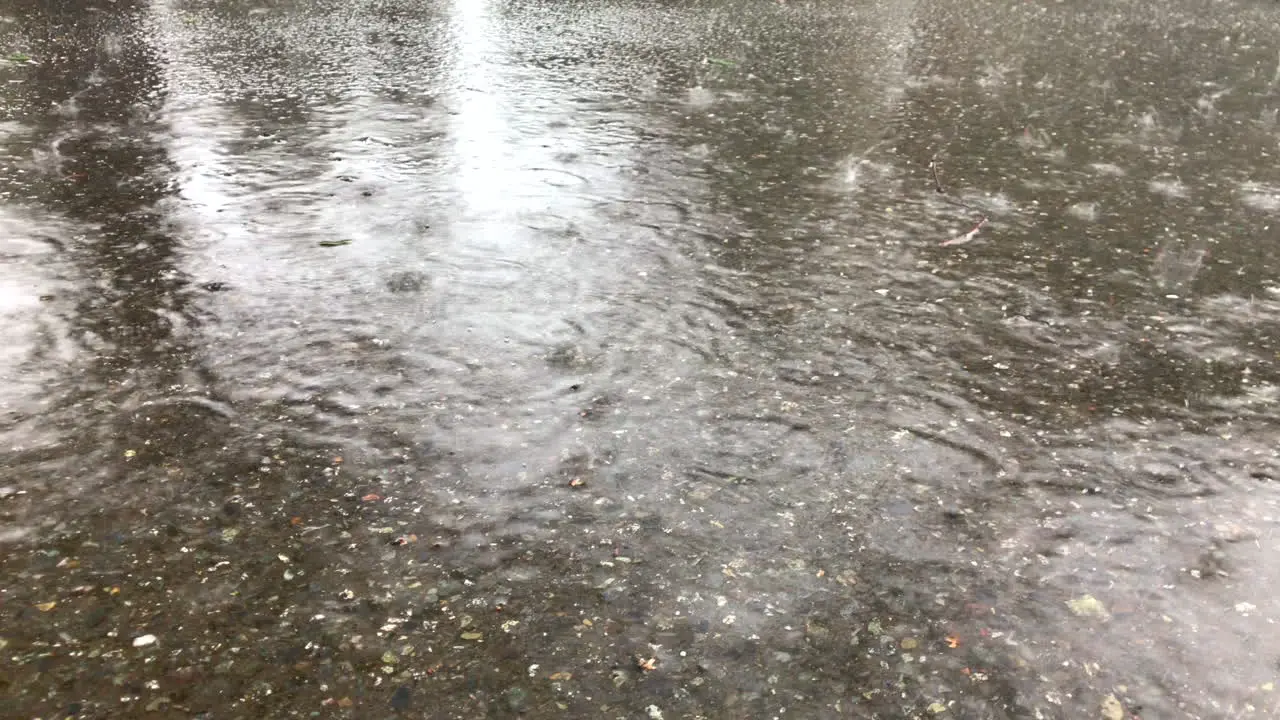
{"type": "Point", "coordinates": [961, 239]}
{"type": "Point", "coordinates": [952, 200]}
{"type": "Point", "coordinates": [933, 171]}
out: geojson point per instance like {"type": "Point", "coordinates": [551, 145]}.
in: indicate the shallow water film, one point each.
{"type": "Point", "coordinates": [639, 359]}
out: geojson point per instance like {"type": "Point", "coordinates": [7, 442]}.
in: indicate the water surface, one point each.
{"type": "Point", "coordinates": [466, 358]}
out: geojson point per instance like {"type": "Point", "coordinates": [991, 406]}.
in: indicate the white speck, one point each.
{"type": "Point", "coordinates": [1244, 608]}
{"type": "Point", "coordinates": [533, 669]}
{"type": "Point", "coordinates": [729, 619]}
{"type": "Point", "coordinates": [655, 713]}
{"type": "Point", "coordinates": [144, 640]}
{"type": "Point", "coordinates": [882, 291]}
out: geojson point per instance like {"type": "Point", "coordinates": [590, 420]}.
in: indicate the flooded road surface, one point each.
{"type": "Point", "coordinates": [639, 359]}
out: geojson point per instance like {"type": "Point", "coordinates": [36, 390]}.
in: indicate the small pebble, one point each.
{"type": "Point", "coordinates": [400, 699]}
{"type": "Point", "coordinates": [517, 699]}
{"type": "Point", "coordinates": [655, 713]}
{"type": "Point", "coordinates": [144, 640]}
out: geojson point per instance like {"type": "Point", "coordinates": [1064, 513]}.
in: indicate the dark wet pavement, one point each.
{"type": "Point", "coordinates": [465, 358]}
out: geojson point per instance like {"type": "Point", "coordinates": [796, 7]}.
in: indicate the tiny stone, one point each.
{"type": "Point", "coordinates": [400, 699]}
{"type": "Point", "coordinates": [517, 699]}
{"type": "Point", "coordinates": [655, 712]}
{"type": "Point", "coordinates": [144, 640]}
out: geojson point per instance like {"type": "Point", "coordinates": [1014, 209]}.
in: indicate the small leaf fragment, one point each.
{"type": "Point", "coordinates": [1088, 606]}
{"type": "Point", "coordinates": [1112, 709]}
{"type": "Point", "coordinates": [333, 243]}
{"type": "Point", "coordinates": [47, 606]}
{"type": "Point", "coordinates": [472, 635]}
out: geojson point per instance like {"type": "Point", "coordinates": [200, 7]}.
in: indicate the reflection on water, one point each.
{"type": "Point", "coordinates": [462, 359]}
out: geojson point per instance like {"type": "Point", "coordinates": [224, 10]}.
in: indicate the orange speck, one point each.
{"type": "Point", "coordinates": [953, 641]}
{"type": "Point", "coordinates": [371, 497]}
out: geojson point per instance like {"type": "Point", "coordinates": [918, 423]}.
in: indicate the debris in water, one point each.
{"type": "Point", "coordinates": [654, 712]}
{"type": "Point", "coordinates": [333, 243]}
{"type": "Point", "coordinates": [517, 699]}
{"type": "Point", "coordinates": [144, 640]}
{"type": "Point", "coordinates": [47, 606]}
{"type": "Point", "coordinates": [962, 239]}
{"type": "Point", "coordinates": [1112, 709]}
{"type": "Point", "coordinates": [400, 699]}
{"type": "Point", "coordinates": [937, 707]}
{"type": "Point", "coordinates": [472, 635]}
{"type": "Point", "coordinates": [1088, 606]}
{"type": "Point", "coordinates": [950, 200]}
